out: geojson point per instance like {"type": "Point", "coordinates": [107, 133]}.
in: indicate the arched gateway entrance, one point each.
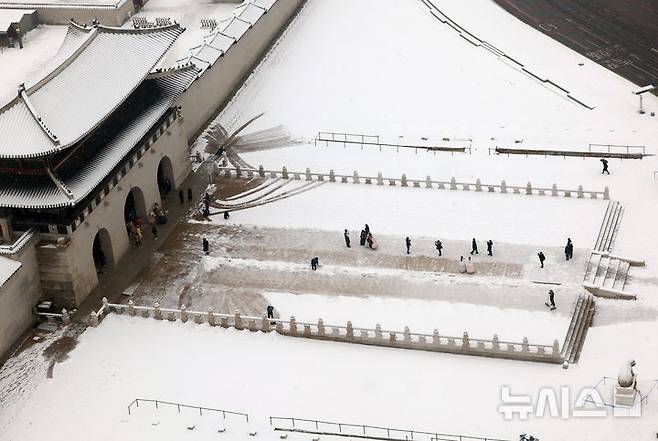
{"type": "Point", "coordinates": [165, 177]}
{"type": "Point", "coordinates": [101, 250]}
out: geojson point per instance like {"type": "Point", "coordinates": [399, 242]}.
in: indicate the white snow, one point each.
{"type": "Point", "coordinates": [271, 375]}
{"type": "Point", "coordinates": [8, 268]}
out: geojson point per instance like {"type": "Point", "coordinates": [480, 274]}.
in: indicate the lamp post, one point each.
{"type": "Point", "coordinates": [641, 92]}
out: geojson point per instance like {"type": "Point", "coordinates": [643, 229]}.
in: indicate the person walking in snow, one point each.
{"type": "Point", "coordinates": [226, 215]}
{"type": "Point", "coordinates": [407, 241]}
{"type": "Point", "coordinates": [363, 237]}
{"type": "Point", "coordinates": [206, 246]}
{"type": "Point", "coordinates": [270, 311]}
{"type": "Point", "coordinates": [154, 230]}
{"type": "Point", "coordinates": [181, 196]}
{"type": "Point", "coordinates": [551, 299]}
{"type": "Point", "coordinates": [346, 235]}
{"type": "Point", "coordinates": [369, 239]}
{"type": "Point", "coordinates": [314, 263]}
{"type": "Point", "coordinates": [568, 249]}
{"type": "Point", "coordinates": [541, 258]}
{"type": "Point", "coordinates": [367, 230]}
{"type": "Point", "coordinates": [474, 247]}
{"type": "Point", "coordinates": [490, 247]}
{"type": "Point", "coordinates": [439, 246]}
{"type": "Point", "coordinates": [605, 166]}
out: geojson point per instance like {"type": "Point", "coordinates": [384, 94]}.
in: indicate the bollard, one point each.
{"type": "Point", "coordinates": [332, 176]}
{"type": "Point", "coordinates": [66, 319]}
{"type": "Point", "coordinates": [284, 172]}
{"type": "Point", "coordinates": [503, 186]}
{"type": "Point", "coordinates": [403, 181]}
{"type": "Point", "coordinates": [580, 192]}
{"type": "Point", "coordinates": [183, 314]}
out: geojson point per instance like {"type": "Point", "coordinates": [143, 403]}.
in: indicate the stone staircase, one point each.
{"type": "Point", "coordinates": [581, 320]}
{"type": "Point", "coordinates": [609, 226]}
{"type": "Point", "coordinates": [606, 276]}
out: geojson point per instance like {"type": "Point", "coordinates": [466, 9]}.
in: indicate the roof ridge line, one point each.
{"type": "Point", "coordinates": [33, 111]}
{"type": "Point", "coordinates": [163, 72]}
{"type": "Point", "coordinates": [93, 33]}
{"type": "Point", "coordinates": [172, 25]}
{"type": "Point", "coordinates": [60, 185]}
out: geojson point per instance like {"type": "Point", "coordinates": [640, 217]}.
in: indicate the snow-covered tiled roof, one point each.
{"type": "Point", "coordinates": [227, 32]}
{"type": "Point", "coordinates": [99, 67]}
{"type": "Point", "coordinates": [8, 268]}
{"type": "Point", "coordinates": [106, 148]}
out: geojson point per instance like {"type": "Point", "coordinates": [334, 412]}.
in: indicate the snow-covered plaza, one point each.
{"type": "Point", "coordinates": [387, 113]}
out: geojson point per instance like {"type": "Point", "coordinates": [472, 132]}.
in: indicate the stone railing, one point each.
{"type": "Point", "coordinates": [428, 182]}
{"type": "Point", "coordinates": [18, 244]}
{"type": "Point", "coordinates": [494, 348]}
{"type": "Point", "coordinates": [63, 318]}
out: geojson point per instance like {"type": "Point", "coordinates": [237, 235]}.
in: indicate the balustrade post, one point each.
{"type": "Point", "coordinates": [158, 312]}
{"type": "Point", "coordinates": [478, 185]}
{"type": "Point", "coordinates": [238, 171]}
{"type": "Point", "coordinates": [349, 332]}
{"type": "Point", "coordinates": [355, 178]}
{"type": "Point", "coordinates": [284, 172]}
{"type": "Point", "coordinates": [93, 319]}
{"type": "Point", "coordinates": [556, 347]}
{"type": "Point", "coordinates": [293, 326]}
{"type": "Point", "coordinates": [606, 193]}
{"type": "Point", "coordinates": [237, 320]}
{"type": "Point", "coordinates": [403, 181]}
{"type": "Point", "coordinates": [435, 337]}
{"type": "Point", "coordinates": [495, 344]}
{"type": "Point", "coordinates": [265, 325]}
{"type": "Point", "coordinates": [184, 316]}
{"type": "Point", "coordinates": [320, 328]}
{"type": "Point", "coordinates": [453, 183]}
{"type": "Point", "coordinates": [466, 342]}
{"type": "Point", "coordinates": [380, 178]}
{"type": "Point", "coordinates": [428, 182]}
{"type": "Point", "coordinates": [525, 347]}
{"type": "Point", "coordinates": [554, 190]}
{"type": "Point", "coordinates": [131, 308]}
{"type": "Point", "coordinates": [407, 335]}
{"type": "Point", "coordinates": [261, 171]}
{"type": "Point", "coordinates": [528, 188]}
{"type": "Point", "coordinates": [581, 194]}
{"type": "Point", "coordinates": [378, 332]}
{"type": "Point", "coordinates": [308, 174]}
{"type": "Point", "coordinates": [211, 316]}
{"type": "Point", "coordinates": [503, 186]}
{"type": "Point", "coordinates": [332, 176]}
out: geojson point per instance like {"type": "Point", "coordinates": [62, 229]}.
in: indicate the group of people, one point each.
{"type": "Point", "coordinates": [568, 253]}
{"type": "Point", "coordinates": [365, 237]}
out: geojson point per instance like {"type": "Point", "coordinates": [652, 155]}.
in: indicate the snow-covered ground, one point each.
{"type": "Point", "coordinates": [270, 375]}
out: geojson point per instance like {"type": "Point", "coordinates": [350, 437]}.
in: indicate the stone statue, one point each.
{"type": "Point", "coordinates": [626, 377]}
{"type": "Point", "coordinates": [626, 388]}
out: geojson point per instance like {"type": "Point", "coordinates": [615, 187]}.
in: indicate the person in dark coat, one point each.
{"type": "Point", "coordinates": [568, 250]}
{"type": "Point", "coordinates": [189, 195]}
{"type": "Point", "coordinates": [369, 240]}
{"type": "Point", "coordinates": [363, 237]}
{"type": "Point", "coordinates": [490, 247]}
{"type": "Point", "coordinates": [474, 247]}
{"type": "Point", "coordinates": [346, 235]}
{"type": "Point", "coordinates": [439, 246]}
{"type": "Point", "coordinates": [314, 263]}
{"type": "Point", "coordinates": [541, 258]}
{"type": "Point", "coordinates": [181, 196]}
{"type": "Point", "coordinates": [367, 230]}
{"type": "Point", "coordinates": [270, 311]}
{"type": "Point", "coordinates": [605, 166]}
{"type": "Point", "coordinates": [154, 230]}
{"type": "Point", "coordinates": [206, 246]}
{"type": "Point", "coordinates": [226, 215]}
{"type": "Point", "coordinates": [407, 241]}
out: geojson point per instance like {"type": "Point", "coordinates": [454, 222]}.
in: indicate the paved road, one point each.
{"type": "Point", "coordinates": [621, 35]}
